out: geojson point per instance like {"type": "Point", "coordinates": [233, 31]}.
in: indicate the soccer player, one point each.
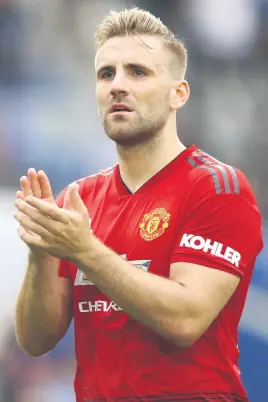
{"type": "Point", "coordinates": [152, 257]}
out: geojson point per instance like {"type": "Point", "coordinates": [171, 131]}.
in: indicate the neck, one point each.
{"type": "Point", "coordinates": [138, 164]}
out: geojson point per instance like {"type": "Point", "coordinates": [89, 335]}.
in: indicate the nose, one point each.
{"type": "Point", "coordinates": [119, 85]}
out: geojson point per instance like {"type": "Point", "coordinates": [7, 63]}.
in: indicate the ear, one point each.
{"type": "Point", "coordinates": [179, 94]}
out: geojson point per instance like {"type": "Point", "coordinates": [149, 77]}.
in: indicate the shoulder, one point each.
{"type": "Point", "coordinates": [87, 184]}
{"type": "Point", "coordinates": [220, 201]}
{"type": "Point", "coordinates": [210, 177]}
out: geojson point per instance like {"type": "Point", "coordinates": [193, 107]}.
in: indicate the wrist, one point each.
{"type": "Point", "coordinates": [38, 256]}
{"type": "Point", "coordinates": [42, 266]}
{"type": "Point", "coordinates": [88, 260]}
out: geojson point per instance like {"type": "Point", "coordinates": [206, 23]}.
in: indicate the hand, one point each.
{"type": "Point", "coordinates": [35, 184]}
{"type": "Point", "coordinates": [61, 232]}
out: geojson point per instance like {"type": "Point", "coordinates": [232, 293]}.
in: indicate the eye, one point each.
{"type": "Point", "coordinates": [106, 75]}
{"type": "Point", "coordinates": [138, 73]}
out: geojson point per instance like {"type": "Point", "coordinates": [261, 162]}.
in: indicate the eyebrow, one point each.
{"type": "Point", "coordinates": [129, 65]}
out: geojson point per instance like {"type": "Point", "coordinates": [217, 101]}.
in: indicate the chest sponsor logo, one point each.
{"type": "Point", "coordinates": [81, 279]}
{"type": "Point", "coordinates": [211, 247]}
{"type": "Point", "coordinates": [98, 305]}
{"type": "Point", "coordinates": [154, 224]}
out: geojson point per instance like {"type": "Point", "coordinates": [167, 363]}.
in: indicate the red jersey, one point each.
{"type": "Point", "coordinates": [195, 210]}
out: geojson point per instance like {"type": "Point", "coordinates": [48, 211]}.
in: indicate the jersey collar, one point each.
{"type": "Point", "coordinates": [176, 163]}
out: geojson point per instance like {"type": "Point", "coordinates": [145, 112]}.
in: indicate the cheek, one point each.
{"type": "Point", "coordinates": [101, 95]}
{"type": "Point", "coordinates": [154, 94]}
{"type": "Point", "coordinates": [155, 101]}
{"type": "Point", "coordinates": [162, 99]}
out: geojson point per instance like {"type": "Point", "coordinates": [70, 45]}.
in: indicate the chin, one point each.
{"type": "Point", "coordinates": [119, 131]}
{"type": "Point", "coordinates": [130, 138]}
{"type": "Point", "coordinates": [134, 133]}
{"type": "Point", "coordinates": [123, 137]}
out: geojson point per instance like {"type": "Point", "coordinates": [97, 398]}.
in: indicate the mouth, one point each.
{"type": "Point", "coordinates": [120, 109]}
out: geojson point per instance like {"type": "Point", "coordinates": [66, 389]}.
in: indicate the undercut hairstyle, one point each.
{"type": "Point", "coordinates": [136, 22]}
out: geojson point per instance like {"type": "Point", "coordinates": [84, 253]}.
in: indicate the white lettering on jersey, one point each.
{"type": "Point", "coordinates": [98, 305]}
{"type": "Point", "coordinates": [101, 305]}
{"type": "Point", "coordinates": [81, 279]}
{"type": "Point", "coordinates": [211, 247]}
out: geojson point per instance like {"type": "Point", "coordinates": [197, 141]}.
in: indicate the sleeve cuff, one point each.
{"type": "Point", "coordinates": [206, 262]}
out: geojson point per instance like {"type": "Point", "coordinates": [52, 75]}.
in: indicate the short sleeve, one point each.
{"type": "Point", "coordinates": [221, 231]}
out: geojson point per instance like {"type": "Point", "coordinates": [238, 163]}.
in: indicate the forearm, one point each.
{"type": "Point", "coordinates": [157, 302]}
{"type": "Point", "coordinates": [38, 306]}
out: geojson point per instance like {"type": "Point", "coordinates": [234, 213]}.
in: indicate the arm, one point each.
{"type": "Point", "coordinates": [44, 306]}
{"type": "Point", "coordinates": [178, 308]}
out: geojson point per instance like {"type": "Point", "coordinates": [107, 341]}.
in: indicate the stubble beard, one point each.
{"type": "Point", "coordinates": [132, 134]}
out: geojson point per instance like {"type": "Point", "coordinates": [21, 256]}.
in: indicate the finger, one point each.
{"type": "Point", "coordinates": [34, 183]}
{"type": "Point", "coordinates": [31, 226]}
{"type": "Point", "coordinates": [39, 210]}
{"type": "Point", "coordinates": [45, 185]}
{"type": "Point", "coordinates": [25, 186]}
{"type": "Point", "coordinates": [19, 195]}
{"type": "Point", "coordinates": [67, 203]}
{"type": "Point", "coordinates": [37, 216]}
{"type": "Point", "coordinates": [35, 241]}
{"type": "Point", "coordinates": [69, 200]}
{"type": "Point", "coordinates": [31, 240]}
{"type": "Point", "coordinates": [74, 199]}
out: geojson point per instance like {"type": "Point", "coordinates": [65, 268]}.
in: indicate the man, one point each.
{"type": "Point", "coordinates": [152, 257]}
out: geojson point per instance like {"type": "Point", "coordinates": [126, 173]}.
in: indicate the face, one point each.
{"type": "Point", "coordinates": [133, 73]}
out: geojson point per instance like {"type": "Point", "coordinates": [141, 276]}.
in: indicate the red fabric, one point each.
{"type": "Point", "coordinates": [228, 219]}
{"type": "Point", "coordinates": [120, 359]}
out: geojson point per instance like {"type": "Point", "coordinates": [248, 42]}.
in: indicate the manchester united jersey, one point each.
{"type": "Point", "coordinates": [195, 210]}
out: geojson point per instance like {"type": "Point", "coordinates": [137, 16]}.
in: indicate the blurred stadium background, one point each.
{"type": "Point", "coordinates": [48, 120]}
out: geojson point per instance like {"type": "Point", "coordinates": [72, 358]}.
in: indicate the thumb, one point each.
{"type": "Point", "coordinates": [72, 198]}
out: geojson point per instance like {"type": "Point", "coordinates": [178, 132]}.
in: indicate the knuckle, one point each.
{"type": "Point", "coordinates": [35, 216]}
{"type": "Point", "coordinates": [77, 219]}
{"type": "Point", "coordinates": [50, 210]}
{"type": "Point", "coordinates": [19, 216]}
{"type": "Point", "coordinates": [22, 206]}
{"type": "Point", "coordinates": [23, 236]}
{"type": "Point", "coordinates": [73, 220]}
{"type": "Point", "coordinates": [58, 230]}
{"type": "Point", "coordinates": [37, 194]}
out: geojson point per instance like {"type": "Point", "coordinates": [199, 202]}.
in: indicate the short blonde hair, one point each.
{"type": "Point", "coordinates": [136, 21]}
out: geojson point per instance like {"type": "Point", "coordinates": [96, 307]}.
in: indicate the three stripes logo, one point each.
{"type": "Point", "coordinates": [224, 176]}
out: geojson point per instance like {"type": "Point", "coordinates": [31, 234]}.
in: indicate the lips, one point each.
{"type": "Point", "coordinates": [120, 107]}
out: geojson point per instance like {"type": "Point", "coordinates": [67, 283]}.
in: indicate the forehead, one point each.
{"type": "Point", "coordinates": [147, 49]}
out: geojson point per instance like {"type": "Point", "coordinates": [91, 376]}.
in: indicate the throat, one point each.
{"type": "Point", "coordinates": [140, 164]}
{"type": "Point", "coordinates": [135, 187]}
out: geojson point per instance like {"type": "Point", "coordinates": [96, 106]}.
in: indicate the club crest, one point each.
{"type": "Point", "coordinates": [154, 224]}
